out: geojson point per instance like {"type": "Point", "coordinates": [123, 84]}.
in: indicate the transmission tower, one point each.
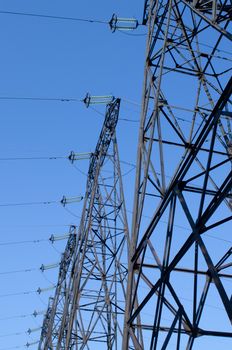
{"type": "Point", "coordinates": [51, 322]}
{"type": "Point", "coordinates": [178, 294]}
{"type": "Point", "coordinates": [89, 304]}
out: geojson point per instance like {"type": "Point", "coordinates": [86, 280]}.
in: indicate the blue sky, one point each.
{"type": "Point", "coordinates": [51, 58]}
{"type": "Point", "coordinates": [59, 59]}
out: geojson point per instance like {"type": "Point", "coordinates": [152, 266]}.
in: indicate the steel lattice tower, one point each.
{"type": "Point", "coordinates": [88, 308]}
{"type": "Point", "coordinates": [53, 316]}
{"type": "Point", "coordinates": [178, 291]}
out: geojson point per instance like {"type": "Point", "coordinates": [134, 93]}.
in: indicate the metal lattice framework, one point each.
{"type": "Point", "coordinates": [53, 316]}
{"type": "Point", "coordinates": [179, 283]}
{"type": "Point", "coordinates": [90, 308]}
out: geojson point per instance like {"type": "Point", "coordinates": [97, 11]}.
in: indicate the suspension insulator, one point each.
{"type": "Point", "coordinates": [117, 23]}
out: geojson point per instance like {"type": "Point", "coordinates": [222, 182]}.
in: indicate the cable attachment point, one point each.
{"type": "Point", "coordinates": [31, 330]}
{"type": "Point", "coordinates": [70, 200]}
{"type": "Point", "coordinates": [54, 238]}
{"type": "Point", "coordinates": [92, 100]}
{"type": "Point", "coordinates": [78, 156]}
{"type": "Point", "coordinates": [37, 313]}
{"type": "Point", "coordinates": [42, 290]}
{"type": "Point", "coordinates": [48, 267]}
{"type": "Point", "coordinates": [30, 344]}
{"type": "Point", "coordinates": [117, 23]}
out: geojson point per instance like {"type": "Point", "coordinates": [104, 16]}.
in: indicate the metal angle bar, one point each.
{"type": "Point", "coordinates": [210, 22]}
{"type": "Point", "coordinates": [188, 146]}
{"type": "Point", "coordinates": [206, 177]}
{"type": "Point", "coordinates": [138, 204]}
{"type": "Point", "coordinates": [215, 333]}
{"type": "Point", "coordinates": [201, 190]}
{"type": "Point", "coordinates": [213, 271]}
{"type": "Point", "coordinates": [185, 247]}
{"type": "Point", "coordinates": [186, 270]}
{"type": "Point", "coordinates": [165, 344]}
{"type": "Point", "coordinates": [219, 197]}
{"type": "Point", "coordinates": [165, 301]}
{"type": "Point", "coordinates": [212, 168]}
{"type": "Point", "coordinates": [186, 164]}
{"type": "Point", "coordinates": [166, 257]}
{"type": "Point", "coordinates": [200, 332]}
{"type": "Point", "coordinates": [173, 126]}
{"type": "Point", "coordinates": [200, 223]}
{"type": "Point", "coordinates": [204, 295]}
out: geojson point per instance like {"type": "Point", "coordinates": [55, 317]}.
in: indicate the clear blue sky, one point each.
{"type": "Point", "coordinates": [52, 58]}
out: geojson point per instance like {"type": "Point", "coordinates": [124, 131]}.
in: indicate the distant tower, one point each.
{"type": "Point", "coordinates": [181, 233]}
{"type": "Point", "coordinates": [52, 318]}
{"type": "Point", "coordinates": [90, 308]}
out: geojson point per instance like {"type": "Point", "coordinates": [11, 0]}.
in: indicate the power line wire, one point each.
{"type": "Point", "coordinates": [34, 314]}
{"type": "Point", "coordinates": [34, 225]}
{"type": "Point", "coordinates": [27, 203]}
{"type": "Point", "coordinates": [71, 213]}
{"type": "Point", "coordinates": [25, 98]}
{"type": "Point", "coordinates": [18, 271]}
{"type": "Point", "coordinates": [87, 20]}
{"type": "Point", "coordinates": [14, 347]}
{"type": "Point", "coordinates": [60, 99]}
{"type": "Point", "coordinates": [12, 334]}
{"type": "Point", "coordinates": [32, 158]}
{"type": "Point", "coordinates": [79, 170]}
{"type": "Point", "coordinates": [63, 201]}
{"type": "Point", "coordinates": [174, 107]}
{"type": "Point", "coordinates": [122, 119]}
{"type": "Point", "coordinates": [23, 242]}
{"type": "Point", "coordinates": [51, 239]}
{"type": "Point", "coordinates": [38, 291]}
{"type": "Point", "coordinates": [18, 293]}
{"type": "Point", "coordinates": [72, 157]}
{"type": "Point", "coordinates": [42, 158]}
{"type": "Point", "coordinates": [131, 34]}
